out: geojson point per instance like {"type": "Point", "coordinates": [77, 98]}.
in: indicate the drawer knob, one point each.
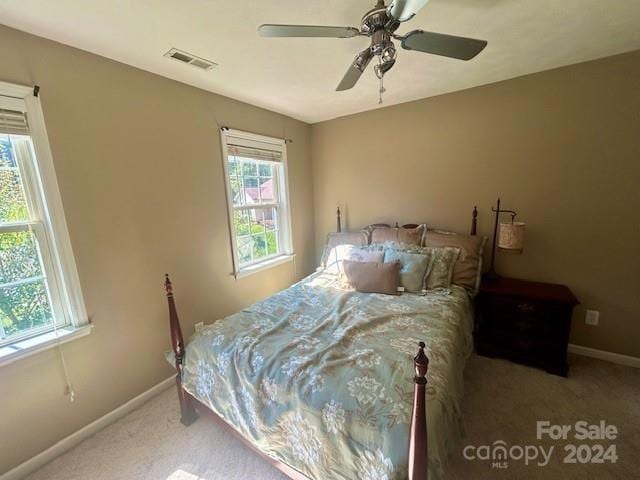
{"type": "Point", "coordinates": [525, 307]}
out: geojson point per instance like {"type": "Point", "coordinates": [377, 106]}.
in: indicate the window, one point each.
{"type": "Point", "coordinates": [39, 291]}
{"type": "Point", "coordinates": [256, 180]}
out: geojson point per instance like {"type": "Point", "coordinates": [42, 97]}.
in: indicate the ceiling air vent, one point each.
{"type": "Point", "coordinates": [190, 59]}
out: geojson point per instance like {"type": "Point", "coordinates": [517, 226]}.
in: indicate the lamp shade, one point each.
{"type": "Point", "coordinates": [511, 236]}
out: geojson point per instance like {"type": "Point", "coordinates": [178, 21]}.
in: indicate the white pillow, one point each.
{"type": "Point", "coordinates": [350, 252]}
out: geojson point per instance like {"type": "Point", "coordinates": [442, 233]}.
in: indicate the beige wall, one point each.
{"type": "Point", "coordinates": [138, 161]}
{"type": "Point", "coordinates": [561, 147]}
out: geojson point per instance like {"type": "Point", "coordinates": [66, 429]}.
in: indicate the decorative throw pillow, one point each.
{"type": "Point", "coordinates": [414, 268]}
{"type": "Point", "coordinates": [339, 254]}
{"type": "Point", "coordinates": [365, 255]}
{"type": "Point", "coordinates": [334, 239]}
{"type": "Point", "coordinates": [373, 277]}
{"type": "Point", "coordinates": [468, 268]}
{"type": "Point", "coordinates": [444, 259]}
{"type": "Point", "coordinates": [409, 236]}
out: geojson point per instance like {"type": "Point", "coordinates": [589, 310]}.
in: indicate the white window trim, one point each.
{"type": "Point", "coordinates": [287, 253]}
{"type": "Point", "coordinates": [62, 259]}
{"type": "Point", "coordinates": [39, 343]}
{"type": "Point", "coordinates": [265, 264]}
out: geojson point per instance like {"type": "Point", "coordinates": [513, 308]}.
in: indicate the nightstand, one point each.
{"type": "Point", "coordinates": [526, 322]}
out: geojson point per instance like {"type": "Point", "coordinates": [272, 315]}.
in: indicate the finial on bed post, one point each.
{"type": "Point", "coordinates": [338, 222]}
{"type": "Point", "coordinates": [421, 363]}
{"type": "Point", "coordinates": [167, 285]}
{"type": "Point", "coordinates": [187, 412]}
{"type": "Point", "coordinates": [474, 221]}
{"type": "Point", "coordinates": [418, 438]}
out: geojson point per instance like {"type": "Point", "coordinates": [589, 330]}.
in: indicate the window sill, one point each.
{"type": "Point", "coordinates": [30, 346]}
{"type": "Point", "coordinates": [258, 267]}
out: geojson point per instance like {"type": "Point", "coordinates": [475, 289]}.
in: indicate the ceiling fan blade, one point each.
{"type": "Point", "coordinates": [354, 71]}
{"type": "Point", "coordinates": [319, 31]}
{"type": "Point", "coordinates": [403, 10]}
{"type": "Point", "coordinates": [462, 48]}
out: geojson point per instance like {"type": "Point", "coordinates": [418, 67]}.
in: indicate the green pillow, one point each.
{"type": "Point", "coordinates": [441, 262]}
{"type": "Point", "coordinates": [414, 267]}
{"type": "Point", "coordinates": [444, 259]}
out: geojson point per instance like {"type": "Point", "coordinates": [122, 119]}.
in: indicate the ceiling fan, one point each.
{"type": "Point", "coordinates": [379, 24]}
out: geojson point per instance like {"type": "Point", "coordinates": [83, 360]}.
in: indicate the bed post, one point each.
{"type": "Point", "coordinates": [418, 438]}
{"type": "Point", "coordinates": [188, 413]}
{"type": "Point", "coordinates": [338, 222]}
{"type": "Point", "coordinates": [474, 221]}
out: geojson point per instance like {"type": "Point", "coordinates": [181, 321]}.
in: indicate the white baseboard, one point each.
{"type": "Point", "coordinates": [67, 443]}
{"type": "Point", "coordinates": [602, 355]}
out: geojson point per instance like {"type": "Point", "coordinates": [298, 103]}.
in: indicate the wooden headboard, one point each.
{"type": "Point", "coordinates": [473, 231]}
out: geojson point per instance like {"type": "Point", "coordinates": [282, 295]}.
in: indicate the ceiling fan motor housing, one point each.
{"type": "Point", "coordinates": [378, 19]}
{"type": "Point", "coordinates": [379, 26]}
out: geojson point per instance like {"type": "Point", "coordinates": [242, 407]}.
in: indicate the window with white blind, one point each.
{"type": "Point", "coordinates": [39, 290]}
{"type": "Point", "coordinates": [256, 181]}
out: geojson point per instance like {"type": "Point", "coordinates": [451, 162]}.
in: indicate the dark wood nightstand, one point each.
{"type": "Point", "coordinates": [527, 322]}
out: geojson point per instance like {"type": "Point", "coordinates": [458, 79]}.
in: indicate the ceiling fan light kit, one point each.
{"type": "Point", "coordinates": [380, 24]}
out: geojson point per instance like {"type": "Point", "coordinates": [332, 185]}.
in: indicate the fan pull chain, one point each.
{"type": "Point", "coordinates": [380, 75]}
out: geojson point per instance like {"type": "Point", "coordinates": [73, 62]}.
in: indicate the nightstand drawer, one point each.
{"type": "Point", "coordinates": [518, 343]}
{"type": "Point", "coordinates": [508, 314]}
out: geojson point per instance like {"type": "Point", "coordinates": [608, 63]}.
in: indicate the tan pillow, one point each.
{"type": "Point", "coordinates": [372, 277]}
{"type": "Point", "coordinates": [408, 236]}
{"type": "Point", "coordinates": [466, 271]}
{"type": "Point", "coordinates": [334, 239]}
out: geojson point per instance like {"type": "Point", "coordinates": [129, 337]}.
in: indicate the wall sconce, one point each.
{"type": "Point", "coordinates": [510, 238]}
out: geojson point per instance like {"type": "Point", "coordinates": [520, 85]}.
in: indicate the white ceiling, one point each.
{"type": "Point", "coordinates": [298, 77]}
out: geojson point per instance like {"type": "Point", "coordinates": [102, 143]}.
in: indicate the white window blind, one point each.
{"type": "Point", "coordinates": [13, 116]}
{"type": "Point", "coordinates": [255, 153]}
{"type": "Point", "coordinates": [12, 122]}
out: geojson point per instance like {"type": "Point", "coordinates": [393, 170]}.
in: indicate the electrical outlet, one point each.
{"type": "Point", "coordinates": [199, 326]}
{"type": "Point", "coordinates": [592, 317]}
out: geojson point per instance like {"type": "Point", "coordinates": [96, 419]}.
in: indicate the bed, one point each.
{"type": "Point", "coordinates": [326, 382]}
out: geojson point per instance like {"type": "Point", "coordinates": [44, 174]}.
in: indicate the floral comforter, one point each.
{"type": "Point", "coordinates": [320, 378]}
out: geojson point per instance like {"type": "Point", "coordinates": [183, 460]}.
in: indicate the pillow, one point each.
{"type": "Point", "coordinates": [371, 277]}
{"type": "Point", "coordinates": [365, 254]}
{"type": "Point", "coordinates": [442, 264]}
{"type": "Point", "coordinates": [351, 252]}
{"type": "Point", "coordinates": [414, 268]}
{"type": "Point", "coordinates": [409, 236]}
{"type": "Point", "coordinates": [468, 268]}
{"type": "Point", "coordinates": [343, 238]}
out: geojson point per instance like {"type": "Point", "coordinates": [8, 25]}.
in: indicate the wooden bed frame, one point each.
{"type": "Point", "coordinates": [190, 407]}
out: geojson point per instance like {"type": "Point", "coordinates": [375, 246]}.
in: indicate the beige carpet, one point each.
{"type": "Point", "coordinates": [503, 402]}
